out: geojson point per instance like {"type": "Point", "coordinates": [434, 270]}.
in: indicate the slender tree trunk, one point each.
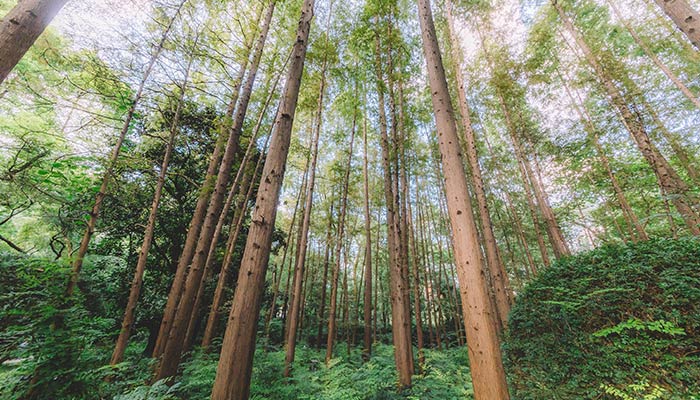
{"type": "Point", "coordinates": [172, 352]}
{"type": "Point", "coordinates": [102, 192]}
{"type": "Point", "coordinates": [684, 16]}
{"type": "Point", "coordinates": [291, 337]}
{"type": "Point", "coordinates": [326, 264]}
{"type": "Point", "coordinates": [668, 180]}
{"type": "Point", "coordinates": [497, 272]}
{"type": "Point", "coordinates": [198, 215]}
{"type": "Point", "coordinates": [137, 281]}
{"type": "Point", "coordinates": [332, 323]}
{"type": "Point", "coordinates": [401, 327]}
{"type": "Point", "coordinates": [367, 348]}
{"type": "Point", "coordinates": [20, 28]}
{"type": "Point", "coordinates": [488, 375]}
{"type": "Point", "coordinates": [236, 361]}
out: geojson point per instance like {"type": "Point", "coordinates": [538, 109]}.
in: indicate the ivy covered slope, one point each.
{"type": "Point", "coordinates": [618, 322]}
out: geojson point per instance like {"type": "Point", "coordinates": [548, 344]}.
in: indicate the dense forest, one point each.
{"type": "Point", "coordinates": [378, 199]}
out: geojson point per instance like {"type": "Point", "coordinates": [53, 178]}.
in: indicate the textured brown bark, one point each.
{"type": "Point", "coordinates": [20, 28]}
{"type": "Point", "coordinates": [669, 182]}
{"type": "Point", "coordinates": [234, 231]}
{"type": "Point", "coordinates": [400, 325]}
{"type": "Point", "coordinates": [172, 352]}
{"type": "Point", "coordinates": [137, 281]}
{"type": "Point", "coordinates": [198, 215]}
{"type": "Point", "coordinates": [102, 192]}
{"type": "Point", "coordinates": [367, 338]}
{"type": "Point", "coordinates": [236, 361]}
{"type": "Point", "coordinates": [488, 375]}
{"type": "Point", "coordinates": [498, 276]}
{"type": "Point", "coordinates": [300, 263]}
{"type": "Point", "coordinates": [684, 16]}
{"type": "Point", "coordinates": [284, 257]}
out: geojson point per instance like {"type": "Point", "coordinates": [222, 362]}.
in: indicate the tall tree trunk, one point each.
{"type": "Point", "coordinates": [20, 28]}
{"type": "Point", "coordinates": [200, 209]}
{"type": "Point", "coordinates": [684, 16]}
{"type": "Point", "coordinates": [326, 265]}
{"type": "Point", "coordinates": [488, 375]}
{"type": "Point", "coordinates": [367, 342]}
{"type": "Point", "coordinates": [137, 281]}
{"type": "Point", "coordinates": [102, 192]}
{"type": "Point", "coordinates": [401, 327]}
{"type": "Point", "coordinates": [499, 277]}
{"type": "Point", "coordinates": [236, 361]}
{"type": "Point", "coordinates": [217, 298]}
{"type": "Point", "coordinates": [670, 183]}
{"type": "Point", "coordinates": [172, 352]}
{"type": "Point", "coordinates": [291, 337]}
{"type": "Point", "coordinates": [332, 319]}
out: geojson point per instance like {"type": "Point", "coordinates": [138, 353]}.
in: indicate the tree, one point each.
{"type": "Point", "coordinates": [20, 28]}
{"type": "Point", "coordinates": [236, 360]}
{"type": "Point", "coordinates": [686, 18]}
{"type": "Point", "coordinates": [488, 375]}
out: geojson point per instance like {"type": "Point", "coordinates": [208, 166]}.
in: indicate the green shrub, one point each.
{"type": "Point", "coordinates": [617, 322]}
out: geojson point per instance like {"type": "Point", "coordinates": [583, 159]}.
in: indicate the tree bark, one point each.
{"type": "Point", "coordinates": [217, 298]}
{"type": "Point", "coordinates": [20, 28]}
{"type": "Point", "coordinates": [172, 352]}
{"type": "Point", "coordinates": [488, 375]}
{"type": "Point", "coordinates": [684, 16]}
{"type": "Point", "coordinates": [200, 209]}
{"type": "Point", "coordinates": [497, 272]}
{"type": "Point", "coordinates": [236, 361]}
{"type": "Point", "coordinates": [367, 338]}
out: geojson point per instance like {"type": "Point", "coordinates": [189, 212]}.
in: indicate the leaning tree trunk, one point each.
{"type": "Point", "coordinates": [137, 281]}
{"type": "Point", "coordinates": [497, 272]}
{"type": "Point", "coordinates": [488, 375]}
{"type": "Point", "coordinates": [236, 361]}
{"type": "Point", "coordinates": [20, 28]}
{"type": "Point", "coordinates": [668, 179]}
{"type": "Point", "coordinates": [102, 192]}
{"type": "Point", "coordinates": [172, 352]}
{"type": "Point", "coordinates": [684, 16]}
{"type": "Point", "coordinates": [200, 210]}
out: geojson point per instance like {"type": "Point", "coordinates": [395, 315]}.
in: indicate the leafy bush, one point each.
{"type": "Point", "coordinates": [618, 322]}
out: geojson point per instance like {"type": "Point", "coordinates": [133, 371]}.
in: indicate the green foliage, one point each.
{"type": "Point", "coordinates": [617, 322]}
